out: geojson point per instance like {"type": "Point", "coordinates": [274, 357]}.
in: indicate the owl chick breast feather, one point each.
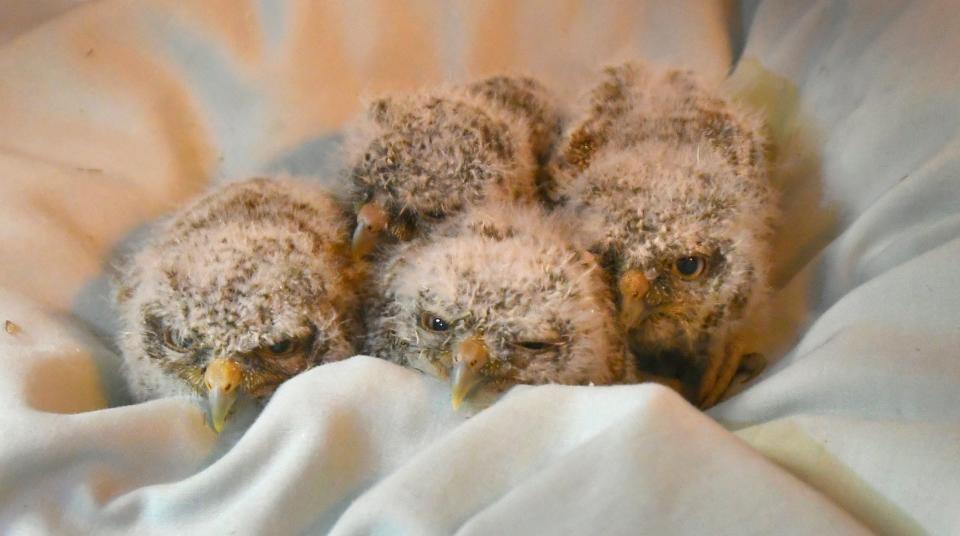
{"type": "Point", "coordinates": [239, 291]}
{"type": "Point", "coordinates": [670, 182]}
{"type": "Point", "coordinates": [416, 159]}
{"type": "Point", "coordinates": [496, 298]}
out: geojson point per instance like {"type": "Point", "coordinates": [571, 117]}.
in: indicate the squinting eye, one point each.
{"type": "Point", "coordinates": [690, 267]}
{"type": "Point", "coordinates": [176, 342]}
{"type": "Point", "coordinates": [282, 348]}
{"type": "Point", "coordinates": [433, 322]}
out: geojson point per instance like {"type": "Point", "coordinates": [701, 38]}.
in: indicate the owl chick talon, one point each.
{"type": "Point", "coordinates": [751, 365]}
{"type": "Point", "coordinates": [721, 373]}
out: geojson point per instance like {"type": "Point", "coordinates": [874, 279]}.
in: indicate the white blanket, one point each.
{"type": "Point", "coordinates": [120, 110]}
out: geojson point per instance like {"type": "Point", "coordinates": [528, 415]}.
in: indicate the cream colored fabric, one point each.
{"type": "Point", "coordinates": [118, 111]}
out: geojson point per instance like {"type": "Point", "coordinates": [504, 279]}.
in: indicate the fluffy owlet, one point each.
{"type": "Point", "coordinates": [498, 297]}
{"type": "Point", "coordinates": [417, 159]}
{"type": "Point", "coordinates": [670, 184]}
{"type": "Point", "coordinates": [238, 292]}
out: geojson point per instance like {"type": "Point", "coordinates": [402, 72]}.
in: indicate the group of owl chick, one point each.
{"type": "Point", "coordinates": [491, 240]}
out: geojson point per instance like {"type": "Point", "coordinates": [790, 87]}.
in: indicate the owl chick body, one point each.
{"type": "Point", "coordinates": [419, 158]}
{"type": "Point", "coordinates": [498, 297]}
{"type": "Point", "coordinates": [239, 291]}
{"type": "Point", "coordinates": [671, 185]}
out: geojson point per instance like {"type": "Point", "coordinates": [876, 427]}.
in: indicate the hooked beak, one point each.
{"type": "Point", "coordinates": [633, 286]}
{"type": "Point", "coordinates": [471, 355]}
{"type": "Point", "coordinates": [371, 221]}
{"type": "Point", "coordinates": [222, 378]}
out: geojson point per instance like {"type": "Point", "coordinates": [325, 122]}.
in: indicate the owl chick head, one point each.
{"type": "Point", "coordinates": [417, 159]}
{"type": "Point", "coordinates": [499, 298]}
{"type": "Point", "coordinates": [238, 292]}
{"type": "Point", "coordinates": [529, 101]}
{"type": "Point", "coordinates": [633, 104]}
{"type": "Point", "coordinates": [684, 238]}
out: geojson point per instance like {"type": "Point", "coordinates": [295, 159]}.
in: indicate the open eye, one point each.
{"type": "Point", "coordinates": [173, 340]}
{"type": "Point", "coordinates": [537, 346]}
{"type": "Point", "coordinates": [690, 267]}
{"type": "Point", "coordinates": [433, 322]}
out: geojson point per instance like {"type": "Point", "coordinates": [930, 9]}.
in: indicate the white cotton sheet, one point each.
{"type": "Point", "coordinates": [118, 111]}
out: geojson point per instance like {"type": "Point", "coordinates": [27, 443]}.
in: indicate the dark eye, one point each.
{"type": "Point", "coordinates": [536, 346]}
{"type": "Point", "coordinates": [175, 341]}
{"type": "Point", "coordinates": [433, 322]}
{"type": "Point", "coordinates": [690, 267]}
{"type": "Point", "coordinates": [283, 347]}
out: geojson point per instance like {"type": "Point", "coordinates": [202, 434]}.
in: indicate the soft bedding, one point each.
{"type": "Point", "coordinates": [120, 110]}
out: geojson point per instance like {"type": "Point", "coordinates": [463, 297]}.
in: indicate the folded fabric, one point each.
{"type": "Point", "coordinates": [118, 112]}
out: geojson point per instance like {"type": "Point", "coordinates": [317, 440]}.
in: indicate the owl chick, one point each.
{"type": "Point", "coordinates": [498, 297]}
{"type": "Point", "coordinates": [416, 159]}
{"type": "Point", "coordinates": [670, 184]}
{"type": "Point", "coordinates": [241, 290]}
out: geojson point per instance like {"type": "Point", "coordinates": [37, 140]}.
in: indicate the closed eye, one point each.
{"type": "Point", "coordinates": [177, 342]}
{"type": "Point", "coordinates": [404, 225]}
{"type": "Point", "coordinates": [537, 346]}
{"type": "Point", "coordinates": [434, 215]}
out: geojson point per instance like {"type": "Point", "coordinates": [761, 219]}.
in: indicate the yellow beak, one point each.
{"type": "Point", "coordinates": [222, 378]}
{"type": "Point", "coordinates": [470, 357]}
{"type": "Point", "coordinates": [633, 286]}
{"type": "Point", "coordinates": [371, 221]}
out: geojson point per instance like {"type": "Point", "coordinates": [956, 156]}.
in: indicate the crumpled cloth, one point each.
{"type": "Point", "coordinates": [121, 110]}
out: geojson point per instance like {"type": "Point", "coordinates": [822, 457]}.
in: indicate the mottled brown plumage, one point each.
{"type": "Point", "coordinates": [417, 159]}
{"type": "Point", "coordinates": [670, 183]}
{"type": "Point", "coordinates": [256, 276]}
{"type": "Point", "coordinates": [499, 295]}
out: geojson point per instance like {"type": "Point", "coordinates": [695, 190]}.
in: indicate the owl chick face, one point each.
{"type": "Point", "coordinates": [685, 240]}
{"type": "Point", "coordinates": [241, 291]}
{"type": "Point", "coordinates": [418, 159]}
{"type": "Point", "coordinates": [499, 299]}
